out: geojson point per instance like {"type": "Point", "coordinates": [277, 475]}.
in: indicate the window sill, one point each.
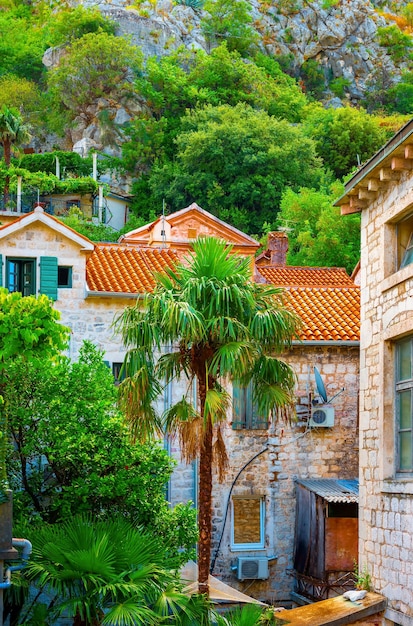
{"type": "Point", "coordinates": [248, 547]}
{"type": "Point", "coordinates": [402, 485]}
{"type": "Point", "coordinates": [398, 277]}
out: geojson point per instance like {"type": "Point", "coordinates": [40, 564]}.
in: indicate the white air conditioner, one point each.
{"type": "Point", "coordinates": [322, 415]}
{"type": "Point", "coordinates": [251, 567]}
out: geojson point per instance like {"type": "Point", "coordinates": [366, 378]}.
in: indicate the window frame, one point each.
{"type": "Point", "coordinates": [21, 261]}
{"type": "Point", "coordinates": [61, 285]}
{"type": "Point", "coordinates": [401, 386]}
{"type": "Point", "coordinates": [260, 545]}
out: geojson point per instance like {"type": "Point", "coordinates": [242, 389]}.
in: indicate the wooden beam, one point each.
{"type": "Point", "coordinates": [399, 164]}
{"type": "Point", "coordinates": [367, 195]}
{"type": "Point", "coordinates": [346, 209]}
{"type": "Point", "coordinates": [357, 204]}
{"type": "Point", "coordinates": [408, 151]}
{"type": "Point", "coordinates": [373, 184]}
{"type": "Point", "coordinates": [388, 174]}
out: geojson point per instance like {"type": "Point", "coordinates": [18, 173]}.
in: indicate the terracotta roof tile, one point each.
{"type": "Point", "coordinates": [291, 276]}
{"type": "Point", "coordinates": [121, 269]}
{"type": "Point", "coordinates": [326, 299]}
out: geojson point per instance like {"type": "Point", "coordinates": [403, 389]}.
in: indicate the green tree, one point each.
{"type": "Point", "coordinates": [221, 326]}
{"type": "Point", "coordinates": [107, 572]}
{"type": "Point", "coordinates": [72, 453]}
{"type": "Point", "coordinates": [318, 235]}
{"type": "Point", "coordinates": [20, 94]}
{"type": "Point", "coordinates": [344, 137]}
{"type": "Point", "coordinates": [22, 43]}
{"type": "Point", "coordinates": [398, 44]}
{"type": "Point", "coordinates": [29, 329]}
{"type": "Point", "coordinates": [12, 132]}
{"type": "Point", "coordinates": [230, 21]}
{"type": "Point", "coordinates": [236, 162]}
{"type": "Point", "coordinates": [98, 65]}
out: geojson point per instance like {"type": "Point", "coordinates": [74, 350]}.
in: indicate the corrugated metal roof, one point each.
{"type": "Point", "coordinates": [333, 489]}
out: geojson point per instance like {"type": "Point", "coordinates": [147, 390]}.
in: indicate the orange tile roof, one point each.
{"type": "Point", "coordinates": [113, 268]}
{"type": "Point", "coordinates": [290, 276]}
{"type": "Point", "coordinates": [326, 299]}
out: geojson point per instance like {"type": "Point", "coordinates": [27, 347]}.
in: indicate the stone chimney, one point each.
{"type": "Point", "coordinates": [277, 248]}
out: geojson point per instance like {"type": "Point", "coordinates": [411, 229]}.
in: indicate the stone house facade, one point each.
{"type": "Point", "coordinates": [382, 191]}
{"type": "Point", "coordinates": [254, 509]}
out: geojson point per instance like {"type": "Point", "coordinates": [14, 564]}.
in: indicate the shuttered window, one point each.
{"type": "Point", "coordinates": [21, 276]}
{"type": "Point", "coordinates": [48, 276]}
{"type": "Point", "coordinates": [245, 411]}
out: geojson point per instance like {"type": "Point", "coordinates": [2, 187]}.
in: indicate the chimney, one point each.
{"type": "Point", "coordinates": [278, 248]}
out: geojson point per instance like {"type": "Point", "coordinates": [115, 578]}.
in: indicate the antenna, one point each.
{"type": "Point", "coordinates": [321, 389]}
{"type": "Point", "coordinates": [320, 385]}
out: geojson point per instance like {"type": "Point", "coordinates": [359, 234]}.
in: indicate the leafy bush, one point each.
{"type": "Point", "coordinates": [229, 20]}
{"type": "Point", "coordinates": [72, 23]}
{"type": "Point", "coordinates": [398, 44]}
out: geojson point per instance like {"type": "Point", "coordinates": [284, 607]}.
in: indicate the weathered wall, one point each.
{"type": "Point", "coordinates": [386, 501]}
{"type": "Point", "coordinates": [294, 451]}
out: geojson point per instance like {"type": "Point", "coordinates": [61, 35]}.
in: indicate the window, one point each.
{"type": "Point", "coordinates": [405, 242]}
{"type": "Point", "coordinates": [404, 405]}
{"type": "Point", "coordinates": [64, 276]}
{"type": "Point", "coordinates": [248, 520]}
{"type": "Point", "coordinates": [21, 276]}
{"type": "Point", "coordinates": [118, 375]}
{"type": "Point", "coordinates": [245, 411]}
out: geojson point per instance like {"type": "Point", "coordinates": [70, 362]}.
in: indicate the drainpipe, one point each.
{"type": "Point", "coordinates": [57, 168]}
{"type": "Point", "coordinates": [94, 166]}
{"type": "Point", "coordinates": [26, 552]}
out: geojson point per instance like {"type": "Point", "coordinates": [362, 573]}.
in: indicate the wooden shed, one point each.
{"type": "Point", "coordinates": [326, 538]}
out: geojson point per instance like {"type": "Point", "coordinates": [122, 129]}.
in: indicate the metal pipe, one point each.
{"type": "Point", "coordinates": [26, 552]}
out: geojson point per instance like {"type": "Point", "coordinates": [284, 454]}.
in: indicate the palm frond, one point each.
{"type": "Point", "coordinates": [220, 455]}
{"type": "Point", "coordinates": [183, 418]}
{"type": "Point", "coordinates": [172, 365]}
{"type": "Point", "coordinates": [217, 403]}
{"type": "Point", "coordinates": [233, 358]}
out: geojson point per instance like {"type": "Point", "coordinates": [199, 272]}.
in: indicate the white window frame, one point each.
{"type": "Point", "coordinates": [400, 387]}
{"type": "Point", "coordinates": [249, 546]}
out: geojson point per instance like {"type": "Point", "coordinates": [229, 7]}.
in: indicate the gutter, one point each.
{"type": "Point", "coordinates": [114, 294]}
{"type": "Point", "coordinates": [355, 344]}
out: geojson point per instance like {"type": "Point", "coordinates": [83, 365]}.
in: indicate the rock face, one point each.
{"type": "Point", "coordinates": [342, 39]}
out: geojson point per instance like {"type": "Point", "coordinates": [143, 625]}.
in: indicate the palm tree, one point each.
{"type": "Point", "coordinates": [12, 131]}
{"type": "Point", "coordinates": [107, 572]}
{"type": "Point", "coordinates": [221, 326]}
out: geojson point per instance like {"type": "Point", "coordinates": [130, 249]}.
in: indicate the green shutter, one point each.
{"type": "Point", "coordinates": [237, 413]}
{"type": "Point", "coordinates": [255, 420]}
{"type": "Point", "coordinates": [1, 270]}
{"type": "Point", "coordinates": [48, 276]}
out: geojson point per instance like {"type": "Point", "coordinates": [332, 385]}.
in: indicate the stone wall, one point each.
{"type": "Point", "coordinates": [386, 500]}
{"type": "Point", "coordinates": [293, 451]}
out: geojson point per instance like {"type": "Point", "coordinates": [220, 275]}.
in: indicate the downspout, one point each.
{"type": "Point", "coordinates": [26, 552]}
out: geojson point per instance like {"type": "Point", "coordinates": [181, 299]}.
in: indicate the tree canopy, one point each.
{"type": "Point", "coordinates": [238, 161]}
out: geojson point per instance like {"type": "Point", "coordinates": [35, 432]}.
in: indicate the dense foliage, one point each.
{"type": "Point", "coordinates": [180, 144]}
{"type": "Point", "coordinates": [72, 453]}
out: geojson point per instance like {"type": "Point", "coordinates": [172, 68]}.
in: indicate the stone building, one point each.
{"type": "Point", "coordinates": [254, 509]}
{"type": "Point", "coordinates": [382, 191]}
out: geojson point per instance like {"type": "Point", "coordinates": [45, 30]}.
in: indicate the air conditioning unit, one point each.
{"type": "Point", "coordinates": [251, 567]}
{"type": "Point", "coordinates": [322, 415]}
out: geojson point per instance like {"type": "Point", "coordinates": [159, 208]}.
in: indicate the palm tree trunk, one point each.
{"type": "Point", "coordinates": [205, 510]}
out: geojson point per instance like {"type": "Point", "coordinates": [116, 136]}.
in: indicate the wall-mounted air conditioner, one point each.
{"type": "Point", "coordinates": [322, 415]}
{"type": "Point", "coordinates": [251, 567]}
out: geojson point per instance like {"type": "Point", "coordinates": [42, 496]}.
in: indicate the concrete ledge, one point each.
{"type": "Point", "coordinates": [334, 612]}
